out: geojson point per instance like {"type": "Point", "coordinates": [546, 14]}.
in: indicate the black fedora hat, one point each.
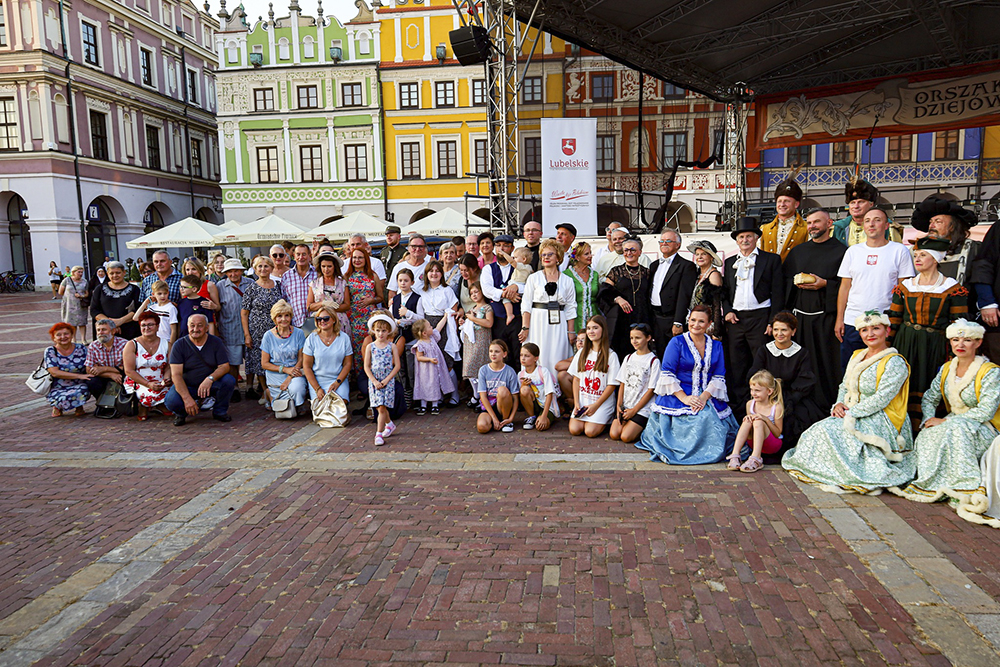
{"type": "Point", "coordinates": [746, 224]}
{"type": "Point", "coordinates": [937, 205]}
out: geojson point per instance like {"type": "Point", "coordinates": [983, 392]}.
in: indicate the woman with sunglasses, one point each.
{"type": "Point", "coordinates": [623, 297]}
{"type": "Point", "coordinates": [279, 256]}
{"type": "Point", "coordinates": [327, 355]}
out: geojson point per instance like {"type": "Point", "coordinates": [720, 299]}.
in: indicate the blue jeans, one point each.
{"type": "Point", "coordinates": [852, 342]}
{"type": "Point", "coordinates": [222, 390]}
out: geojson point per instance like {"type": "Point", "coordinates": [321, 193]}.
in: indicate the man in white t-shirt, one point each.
{"type": "Point", "coordinates": [868, 274]}
{"type": "Point", "coordinates": [600, 251]}
{"type": "Point", "coordinates": [416, 260]}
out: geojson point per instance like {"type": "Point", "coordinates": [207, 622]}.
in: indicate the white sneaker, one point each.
{"type": "Point", "coordinates": [507, 428]}
{"type": "Point", "coordinates": [208, 403]}
{"type": "Point", "coordinates": [379, 440]}
{"type": "Point", "coordinates": [529, 423]}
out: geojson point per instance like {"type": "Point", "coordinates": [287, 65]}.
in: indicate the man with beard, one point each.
{"type": "Point", "coordinates": [533, 237]}
{"type": "Point", "coordinates": [945, 219]}
{"type": "Point", "coordinates": [812, 288]}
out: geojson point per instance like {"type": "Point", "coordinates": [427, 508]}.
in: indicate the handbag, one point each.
{"type": "Point", "coordinates": [283, 406]}
{"type": "Point", "coordinates": [39, 380]}
{"type": "Point", "coordinates": [330, 411]}
{"type": "Point", "coordinates": [107, 402]}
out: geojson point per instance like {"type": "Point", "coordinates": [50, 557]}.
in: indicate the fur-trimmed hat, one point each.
{"type": "Point", "coordinates": [859, 188]}
{"type": "Point", "coordinates": [962, 328]}
{"type": "Point", "coordinates": [789, 187]}
{"type": "Point", "coordinates": [937, 205]}
{"type": "Point", "coordinates": [870, 318]}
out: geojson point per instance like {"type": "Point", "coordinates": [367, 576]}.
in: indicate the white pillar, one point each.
{"type": "Point", "coordinates": [45, 104]}
{"type": "Point", "coordinates": [377, 143]}
{"type": "Point", "coordinates": [289, 175]}
{"type": "Point", "coordinates": [350, 44]}
{"type": "Point", "coordinates": [427, 37]}
{"type": "Point", "coordinates": [397, 26]}
{"type": "Point", "coordinates": [238, 152]}
{"type": "Point", "coordinates": [331, 149]}
{"type": "Point", "coordinates": [223, 174]}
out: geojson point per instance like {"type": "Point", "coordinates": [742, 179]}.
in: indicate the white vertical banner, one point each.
{"type": "Point", "coordinates": [569, 174]}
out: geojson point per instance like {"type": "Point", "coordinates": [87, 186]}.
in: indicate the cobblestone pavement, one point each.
{"type": "Point", "coordinates": [266, 543]}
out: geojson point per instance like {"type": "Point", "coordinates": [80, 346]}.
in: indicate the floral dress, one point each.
{"type": "Point", "coordinates": [475, 355]}
{"type": "Point", "coordinates": [258, 301]}
{"type": "Point", "coordinates": [586, 297]}
{"type": "Point", "coordinates": [336, 295]}
{"type": "Point", "coordinates": [67, 394]}
{"type": "Point", "coordinates": [362, 287]}
{"type": "Point", "coordinates": [151, 367]}
{"type": "Point", "coordinates": [381, 367]}
{"type": "Point", "coordinates": [73, 310]}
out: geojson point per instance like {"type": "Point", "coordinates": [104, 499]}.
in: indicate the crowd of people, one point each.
{"type": "Point", "coordinates": [825, 345]}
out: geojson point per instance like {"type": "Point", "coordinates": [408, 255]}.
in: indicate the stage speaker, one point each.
{"type": "Point", "coordinates": [471, 44]}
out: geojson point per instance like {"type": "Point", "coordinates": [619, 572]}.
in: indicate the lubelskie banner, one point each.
{"type": "Point", "coordinates": [569, 174]}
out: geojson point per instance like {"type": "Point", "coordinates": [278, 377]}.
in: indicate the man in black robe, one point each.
{"type": "Point", "coordinates": [812, 285]}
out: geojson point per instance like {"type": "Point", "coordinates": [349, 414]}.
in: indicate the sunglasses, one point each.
{"type": "Point", "coordinates": [417, 246]}
{"type": "Point", "coordinates": [322, 319]}
{"type": "Point", "coordinates": [277, 256]}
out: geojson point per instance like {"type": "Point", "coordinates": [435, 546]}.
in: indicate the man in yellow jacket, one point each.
{"type": "Point", "coordinates": [788, 229]}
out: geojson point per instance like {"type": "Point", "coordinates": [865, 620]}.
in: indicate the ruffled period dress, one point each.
{"type": "Point", "coordinates": [675, 434]}
{"type": "Point", "coordinates": [947, 455]}
{"type": "Point", "coordinates": [707, 294]}
{"type": "Point", "coordinates": [871, 448]}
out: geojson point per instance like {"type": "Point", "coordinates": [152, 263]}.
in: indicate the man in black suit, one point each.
{"type": "Point", "coordinates": [671, 282]}
{"type": "Point", "coordinates": [755, 293]}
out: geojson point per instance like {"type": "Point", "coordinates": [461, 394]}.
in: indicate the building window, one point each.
{"type": "Point", "coordinates": [799, 156]}
{"type": "Point", "coordinates": [311, 163]}
{"type": "Point", "coordinates": [532, 90]}
{"type": "Point", "coordinates": [153, 147]}
{"type": "Point", "coordinates": [267, 164]}
{"type": "Point", "coordinates": [90, 54]}
{"type": "Point", "coordinates": [263, 99]}
{"type": "Point", "coordinates": [146, 66]}
{"type": "Point", "coordinates": [196, 158]}
{"type": "Point", "coordinates": [946, 145]}
{"type": "Point", "coordinates": [899, 148]}
{"type": "Point", "coordinates": [352, 95]}
{"type": "Point", "coordinates": [444, 93]}
{"type": "Point", "coordinates": [673, 149]}
{"type": "Point", "coordinates": [533, 156]}
{"type": "Point", "coordinates": [356, 162]}
{"type": "Point", "coordinates": [844, 152]}
{"type": "Point", "coordinates": [479, 92]}
{"type": "Point", "coordinates": [482, 156]}
{"type": "Point", "coordinates": [605, 153]}
{"type": "Point", "coordinates": [308, 97]}
{"type": "Point", "coordinates": [603, 87]}
{"type": "Point", "coordinates": [192, 84]}
{"type": "Point", "coordinates": [99, 135]}
{"type": "Point", "coordinates": [8, 124]}
{"type": "Point", "coordinates": [3, 27]}
{"type": "Point", "coordinates": [409, 156]}
{"type": "Point", "coordinates": [447, 159]}
{"type": "Point", "coordinates": [409, 96]}
{"type": "Point", "coordinates": [672, 92]}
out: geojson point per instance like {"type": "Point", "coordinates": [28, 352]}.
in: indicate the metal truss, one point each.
{"type": "Point", "coordinates": [734, 156]}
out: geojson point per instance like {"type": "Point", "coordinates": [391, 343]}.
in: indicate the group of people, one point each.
{"type": "Point", "coordinates": [699, 361]}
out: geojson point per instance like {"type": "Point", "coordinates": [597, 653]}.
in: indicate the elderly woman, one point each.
{"type": "Point", "coordinates": [448, 254]}
{"type": "Point", "coordinates": [117, 300]}
{"type": "Point", "coordinates": [66, 363]}
{"type": "Point", "coordinates": [327, 357]}
{"type": "Point", "coordinates": [691, 422]}
{"type": "Point", "coordinates": [622, 297]}
{"type": "Point", "coordinates": [948, 450]}
{"type": "Point", "coordinates": [281, 357]}
{"type": "Point", "coordinates": [922, 308]}
{"type": "Point", "coordinates": [330, 288]}
{"type": "Point", "coordinates": [548, 311]}
{"type": "Point", "coordinates": [709, 287]}
{"type": "Point", "coordinates": [147, 368]}
{"type": "Point", "coordinates": [866, 444]}
{"type": "Point", "coordinates": [209, 291]}
{"type": "Point", "coordinates": [255, 313]}
{"type": "Point", "coordinates": [586, 282]}
{"type": "Point", "coordinates": [73, 310]}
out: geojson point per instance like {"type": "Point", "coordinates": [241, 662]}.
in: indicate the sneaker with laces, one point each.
{"type": "Point", "coordinates": [507, 428]}
{"type": "Point", "coordinates": [529, 423]}
{"type": "Point", "coordinates": [379, 440]}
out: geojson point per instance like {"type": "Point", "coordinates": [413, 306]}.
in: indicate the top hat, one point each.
{"type": "Point", "coordinates": [746, 224]}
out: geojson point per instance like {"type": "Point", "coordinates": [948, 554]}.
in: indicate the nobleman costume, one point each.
{"type": "Point", "coordinates": [780, 236]}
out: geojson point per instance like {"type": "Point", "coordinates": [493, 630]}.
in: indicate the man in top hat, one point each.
{"type": "Point", "coordinates": [393, 251]}
{"type": "Point", "coordinates": [860, 196]}
{"type": "Point", "coordinates": [755, 293]}
{"type": "Point", "coordinates": [945, 219]}
{"type": "Point", "coordinates": [788, 229]}
{"type": "Point", "coordinates": [812, 286]}
{"type": "Point", "coordinates": [565, 234]}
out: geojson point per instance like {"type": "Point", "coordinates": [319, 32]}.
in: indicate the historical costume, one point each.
{"type": "Point", "coordinates": [632, 284]}
{"type": "Point", "coordinates": [553, 305]}
{"type": "Point", "coordinates": [675, 433]}
{"type": "Point", "coordinates": [586, 296]}
{"type": "Point", "coordinates": [919, 315]}
{"type": "Point", "coordinates": [961, 249]}
{"type": "Point", "coordinates": [816, 311]}
{"type": "Point", "coordinates": [870, 448]}
{"type": "Point", "coordinates": [794, 367]}
{"type": "Point", "coordinates": [948, 454]}
{"type": "Point", "coordinates": [707, 294]}
{"type": "Point", "coordinates": [780, 236]}
{"type": "Point", "coordinates": [850, 231]}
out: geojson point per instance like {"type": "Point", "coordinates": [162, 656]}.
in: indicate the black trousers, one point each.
{"type": "Point", "coordinates": [663, 331]}
{"type": "Point", "coordinates": [508, 334]}
{"type": "Point", "coordinates": [742, 340]}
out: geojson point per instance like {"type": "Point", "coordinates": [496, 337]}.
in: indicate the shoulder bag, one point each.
{"type": "Point", "coordinates": [39, 380]}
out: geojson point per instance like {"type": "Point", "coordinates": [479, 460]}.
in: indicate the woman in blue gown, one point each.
{"type": "Point", "coordinates": [691, 422]}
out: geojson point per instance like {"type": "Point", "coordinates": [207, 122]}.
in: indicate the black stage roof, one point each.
{"type": "Point", "coordinates": [711, 46]}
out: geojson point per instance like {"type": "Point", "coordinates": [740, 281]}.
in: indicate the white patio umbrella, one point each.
{"type": "Point", "coordinates": [446, 223]}
{"type": "Point", "coordinates": [358, 222]}
{"type": "Point", "coordinates": [230, 224]}
{"type": "Point", "coordinates": [264, 231]}
{"type": "Point", "coordinates": [185, 233]}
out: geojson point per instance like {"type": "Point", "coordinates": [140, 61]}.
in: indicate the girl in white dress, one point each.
{"type": "Point", "coordinates": [595, 377]}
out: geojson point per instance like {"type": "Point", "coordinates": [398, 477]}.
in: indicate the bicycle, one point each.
{"type": "Point", "coordinates": [7, 281]}
{"type": "Point", "coordinates": [24, 283]}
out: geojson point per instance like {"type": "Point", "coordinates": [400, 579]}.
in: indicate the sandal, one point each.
{"type": "Point", "coordinates": [56, 412]}
{"type": "Point", "coordinates": [733, 462]}
{"type": "Point", "coordinates": [753, 464]}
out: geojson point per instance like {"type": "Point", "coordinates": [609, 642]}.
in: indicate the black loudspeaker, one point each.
{"type": "Point", "coordinates": [471, 44]}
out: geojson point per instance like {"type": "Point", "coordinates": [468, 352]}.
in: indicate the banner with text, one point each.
{"type": "Point", "coordinates": [569, 174]}
{"type": "Point", "coordinates": [925, 102]}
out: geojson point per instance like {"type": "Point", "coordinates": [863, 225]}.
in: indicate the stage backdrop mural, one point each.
{"type": "Point", "coordinates": [569, 174]}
